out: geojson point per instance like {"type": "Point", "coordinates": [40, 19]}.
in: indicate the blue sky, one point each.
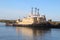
{"type": "Point", "coordinates": [14, 9]}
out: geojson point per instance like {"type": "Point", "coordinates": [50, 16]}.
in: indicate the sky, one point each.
{"type": "Point", "coordinates": [14, 9]}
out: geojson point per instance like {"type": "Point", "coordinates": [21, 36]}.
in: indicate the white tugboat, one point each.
{"type": "Point", "coordinates": [32, 19]}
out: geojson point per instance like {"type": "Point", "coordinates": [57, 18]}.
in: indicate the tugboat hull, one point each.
{"type": "Point", "coordinates": [32, 25]}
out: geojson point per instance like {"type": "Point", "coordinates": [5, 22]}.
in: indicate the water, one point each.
{"type": "Point", "coordinates": [24, 33]}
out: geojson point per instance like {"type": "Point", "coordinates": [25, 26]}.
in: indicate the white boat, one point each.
{"type": "Point", "coordinates": [33, 18]}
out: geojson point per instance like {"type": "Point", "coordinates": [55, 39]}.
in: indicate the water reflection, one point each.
{"type": "Point", "coordinates": [33, 33]}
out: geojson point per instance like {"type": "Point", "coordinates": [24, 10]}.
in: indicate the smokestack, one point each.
{"type": "Point", "coordinates": [38, 12]}
{"type": "Point", "coordinates": [32, 11]}
{"type": "Point", "coordinates": [35, 10]}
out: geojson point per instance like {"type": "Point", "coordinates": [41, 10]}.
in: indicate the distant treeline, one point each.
{"type": "Point", "coordinates": [8, 21]}
{"type": "Point", "coordinates": [54, 22]}
{"type": "Point", "coordinates": [14, 21]}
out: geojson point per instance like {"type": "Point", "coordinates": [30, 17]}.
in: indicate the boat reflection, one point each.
{"type": "Point", "coordinates": [32, 33]}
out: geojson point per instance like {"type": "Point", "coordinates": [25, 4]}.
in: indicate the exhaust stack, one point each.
{"type": "Point", "coordinates": [38, 12]}
{"type": "Point", "coordinates": [32, 11]}
{"type": "Point", "coordinates": [35, 11]}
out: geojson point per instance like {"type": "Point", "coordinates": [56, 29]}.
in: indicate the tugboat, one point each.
{"type": "Point", "coordinates": [34, 19]}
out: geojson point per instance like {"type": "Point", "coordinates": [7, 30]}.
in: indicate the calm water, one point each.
{"type": "Point", "coordinates": [24, 33]}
